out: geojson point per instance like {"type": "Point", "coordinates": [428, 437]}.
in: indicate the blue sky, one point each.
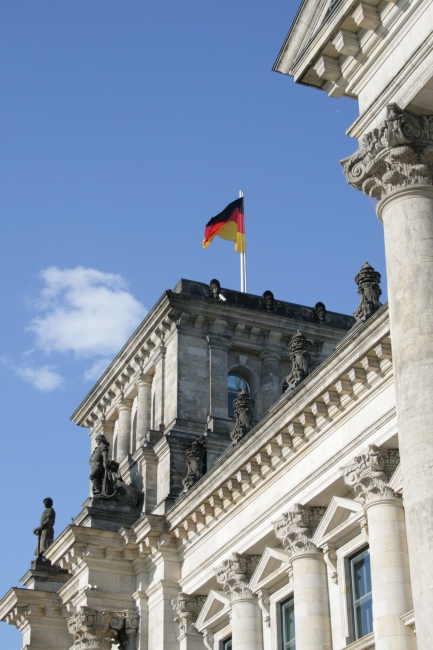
{"type": "Point", "coordinates": [125, 126]}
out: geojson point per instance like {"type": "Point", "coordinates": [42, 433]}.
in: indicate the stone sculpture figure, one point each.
{"type": "Point", "coordinates": [268, 300]}
{"type": "Point", "coordinates": [45, 531]}
{"type": "Point", "coordinates": [243, 405]}
{"type": "Point", "coordinates": [98, 462]}
{"type": "Point", "coordinates": [300, 357]}
{"type": "Point", "coordinates": [215, 289]}
{"type": "Point", "coordinates": [195, 462]}
{"type": "Point", "coordinates": [369, 290]}
{"type": "Point", "coordinates": [320, 312]}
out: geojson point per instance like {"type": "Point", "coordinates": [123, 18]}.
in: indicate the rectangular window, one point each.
{"type": "Point", "coordinates": [288, 624]}
{"type": "Point", "coordinates": [361, 593]}
{"type": "Point", "coordinates": [227, 644]}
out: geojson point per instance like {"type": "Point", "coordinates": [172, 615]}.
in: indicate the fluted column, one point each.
{"type": "Point", "coordinates": [389, 561]}
{"type": "Point", "coordinates": [234, 575]}
{"type": "Point", "coordinates": [395, 165]}
{"type": "Point", "coordinates": [310, 587]}
{"type": "Point", "coordinates": [144, 407]}
{"type": "Point", "coordinates": [124, 429]}
{"type": "Point", "coordinates": [270, 379]}
{"type": "Point", "coordinates": [186, 609]}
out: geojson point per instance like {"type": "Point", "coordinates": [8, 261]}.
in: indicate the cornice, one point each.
{"type": "Point", "coordinates": [293, 422]}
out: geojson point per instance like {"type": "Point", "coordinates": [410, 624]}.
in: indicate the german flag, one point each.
{"type": "Point", "coordinates": [228, 224]}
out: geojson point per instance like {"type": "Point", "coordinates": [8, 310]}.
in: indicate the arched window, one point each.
{"type": "Point", "coordinates": [234, 386]}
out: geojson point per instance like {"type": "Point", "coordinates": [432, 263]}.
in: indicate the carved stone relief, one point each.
{"type": "Point", "coordinates": [300, 357]}
{"type": "Point", "coordinates": [99, 629]}
{"type": "Point", "coordinates": [369, 290]}
{"type": "Point", "coordinates": [187, 608]}
{"type": "Point", "coordinates": [235, 573]}
{"type": "Point", "coordinates": [398, 154]}
{"type": "Point", "coordinates": [371, 472]}
{"type": "Point", "coordinates": [297, 527]}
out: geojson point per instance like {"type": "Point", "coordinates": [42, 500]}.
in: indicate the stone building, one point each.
{"type": "Point", "coordinates": [263, 471]}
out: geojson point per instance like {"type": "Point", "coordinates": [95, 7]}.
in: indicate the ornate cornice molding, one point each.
{"type": "Point", "coordinates": [370, 474]}
{"type": "Point", "coordinates": [398, 154]}
{"type": "Point", "coordinates": [297, 527]}
{"type": "Point", "coordinates": [99, 628]}
{"type": "Point", "coordinates": [235, 573]}
{"type": "Point", "coordinates": [187, 608]}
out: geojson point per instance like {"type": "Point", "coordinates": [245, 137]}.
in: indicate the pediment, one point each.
{"type": "Point", "coordinates": [216, 607]}
{"type": "Point", "coordinates": [341, 518]}
{"type": "Point", "coordinates": [271, 570]}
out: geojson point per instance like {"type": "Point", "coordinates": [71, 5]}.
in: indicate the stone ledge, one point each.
{"type": "Point", "coordinates": [363, 643]}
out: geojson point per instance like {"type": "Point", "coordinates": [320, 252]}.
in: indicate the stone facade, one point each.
{"type": "Point", "coordinates": [289, 517]}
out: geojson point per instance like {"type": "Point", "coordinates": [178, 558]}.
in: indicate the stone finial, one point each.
{"type": "Point", "coordinates": [300, 357]}
{"type": "Point", "coordinates": [235, 573]}
{"type": "Point", "coordinates": [297, 527]}
{"type": "Point", "coordinates": [99, 628]}
{"type": "Point", "coordinates": [369, 475]}
{"type": "Point", "coordinates": [369, 290]}
{"type": "Point", "coordinates": [398, 154]}
{"type": "Point", "coordinates": [268, 300]}
{"type": "Point", "coordinates": [319, 310]}
{"type": "Point", "coordinates": [243, 405]}
{"type": "Point", "coordinates": [187, 608]}
{"type": "Point", "coordinates": [195, 456]}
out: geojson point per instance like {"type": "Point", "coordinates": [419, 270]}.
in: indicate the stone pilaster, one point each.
{"type": "Point", "coordinates": [187, 608]}
{"type": "Point", "coordinates": [234, 575]}
{"type": "Point", "coordinates": [218, 402]}
{"type": "Point", "coordinates": [124, 408]}
{"type": "Point", "coordinates": [312, 621]}
{"type": "Point", "coordinates": [390, 576]}
{"type": "Point", "coordinates": [144, 407]}
{"type": "Point", "coordinates": [395, 165]}
{"type": "Point", "coordinates": [99, 629]}
{"type": "Point", "coordinates": [270, 379]}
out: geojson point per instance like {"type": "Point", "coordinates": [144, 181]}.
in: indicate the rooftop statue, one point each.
{"type": "Point", "coordinates": [243, 405]}
{"type": "Point", "coordinates": [45, 531]}
{"type": "Point", "coordinates": [368, 288]}
{"type": "Point", "coordinates": [300, 357]}
{"type": "Point", "coordinates": [215, 291]}
{"type": "Point", "coordinates": [320, 312]}
{"type": "Point", "coordinates": [268, 300]}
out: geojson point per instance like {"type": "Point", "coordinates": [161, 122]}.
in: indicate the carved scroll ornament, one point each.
{"type": "Point", "coordinates": [99, 629]}
{"type": "Point", "coordinates": [398, 154]}
{"type": "Point", "coordinates": [370, 474]}
{"type": "Point", "coordinates": [235, 573]}
{"type": "Point", "coordinates": [187, 608]}
{"type": "Point", "coordinates": [297, 527]}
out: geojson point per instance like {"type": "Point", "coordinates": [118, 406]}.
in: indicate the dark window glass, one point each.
{"type": "Point", "coordinates": [234, 386]}
{"type": "Point", "coordinates": [227, 644]}
{"type": "Point", "coordinates": [288, 624]}
{"type": "Point", "coordinates": [361, 594]}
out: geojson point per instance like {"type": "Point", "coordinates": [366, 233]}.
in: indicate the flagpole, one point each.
{"type": "Point", "coordinates": [243, 260]}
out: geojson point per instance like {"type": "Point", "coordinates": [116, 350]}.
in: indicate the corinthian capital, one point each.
{"type": "Point", "coordinates": [297, 527]}
{"type": "Point", "coordinates": [235, 573]}
{"type": "Point", "coordinates": [398, 154]}
{"type": "Point", "coordinates": [370, 474]}
{"type": "Point", "coordinates": [99, 629]}
{"type": "Point", "coordinates": [187, 608]}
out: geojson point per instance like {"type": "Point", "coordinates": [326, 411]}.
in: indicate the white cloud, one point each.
{"type": "Point", "coordinates": [44, 378]}
{"type": "Point", "coordinates": [85, 311]}
{"type": "Point", "coordinates": [96, 369]}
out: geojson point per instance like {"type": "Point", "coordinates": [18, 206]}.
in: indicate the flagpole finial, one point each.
{"type": "Point", "coordinates": [241, 193]}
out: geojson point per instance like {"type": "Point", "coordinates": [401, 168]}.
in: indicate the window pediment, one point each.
{"type": "Point", "coordinates": [271, 570]}
{"type": "Point", "coordinates": [340, 521]}
{"type": "Point", "coordinates": [215, 609]}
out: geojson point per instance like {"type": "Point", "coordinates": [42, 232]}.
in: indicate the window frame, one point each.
{"type": "Point", "coordinates": [356, 602]}
{"type": "Point", "coordinates": [291, 644]}
{"type": "Point", "coordinates": [223, 643]}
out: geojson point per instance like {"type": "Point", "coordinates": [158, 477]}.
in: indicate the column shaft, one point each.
{"type": "Point", "coordinates": [390, 576]}
{"type": "Point", "coordinates": [124, 430]}
{"type": "Point", "coordinates": [407, 216]}
{"type": "Point", "coordinates": [270, 379]}
{"type": "Point", "coordinates": [144, 407]}
{"type": "Point", "coordinates": [246, 624]}
{"type": "Point", "coordinates": [312, 617]}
